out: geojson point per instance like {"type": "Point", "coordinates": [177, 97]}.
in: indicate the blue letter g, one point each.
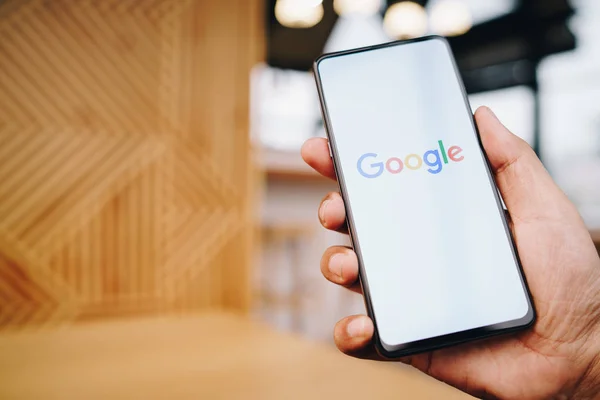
{"type": "Point", "coordinates": [378, 166]}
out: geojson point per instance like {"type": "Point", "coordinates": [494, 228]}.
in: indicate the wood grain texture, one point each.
{"type": "Point", "coordinates": [125, 172]}
{"type": "Point", "coordinates": [212, 356]}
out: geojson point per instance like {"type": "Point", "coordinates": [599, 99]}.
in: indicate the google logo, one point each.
{"type": "Point", "coordinates": [434, 159]}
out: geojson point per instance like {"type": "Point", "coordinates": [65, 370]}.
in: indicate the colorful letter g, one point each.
{"type": "Point", "coordinates": [378, 166]}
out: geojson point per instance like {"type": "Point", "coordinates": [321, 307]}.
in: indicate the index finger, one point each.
{"type": "Point", "coordinates": [315, 153]}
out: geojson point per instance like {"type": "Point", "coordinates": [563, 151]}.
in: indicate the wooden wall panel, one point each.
{"type": "Point", "coordinates": [125, 172]}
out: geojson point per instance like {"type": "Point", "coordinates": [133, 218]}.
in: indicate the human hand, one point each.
{"type": "Point", "coordinates": [559, 357]}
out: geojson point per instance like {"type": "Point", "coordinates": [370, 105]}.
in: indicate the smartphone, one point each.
{"type": "Point", "coordinates": [438, 265]}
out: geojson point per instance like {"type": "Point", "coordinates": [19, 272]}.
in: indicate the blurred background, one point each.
{"type": "Point", "coordinates": [154, 206]}
{"type": "Point", "coordinates": [535, 63]}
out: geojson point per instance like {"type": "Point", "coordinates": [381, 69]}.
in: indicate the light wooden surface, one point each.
{"type": "Point", "coordinates": [126, 180]}
{"type": "Point", "coordinates": [212, 356]}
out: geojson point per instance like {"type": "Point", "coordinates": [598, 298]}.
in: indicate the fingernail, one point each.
{"type": "Point", "coordinates": [336, 263]}
{"type": "Point", "coordinates": [356, 328]}
{"type": "Point", "coordinates": [322, 210]}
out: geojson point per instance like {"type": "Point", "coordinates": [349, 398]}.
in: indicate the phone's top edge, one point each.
{"type": "Point", "coordinates": [325, 56]}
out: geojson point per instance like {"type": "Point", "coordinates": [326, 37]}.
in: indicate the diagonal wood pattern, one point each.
{"type": "Point", "coordinates": [125, 172]}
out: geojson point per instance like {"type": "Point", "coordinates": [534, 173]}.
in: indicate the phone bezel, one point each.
{"type": "Point", "coordinates": [404, 349]}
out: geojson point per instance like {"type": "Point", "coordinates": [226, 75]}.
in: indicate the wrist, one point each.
{"type": "Point", "coordinates": [588, 386]}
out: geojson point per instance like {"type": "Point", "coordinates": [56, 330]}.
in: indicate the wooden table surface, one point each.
{"type": "Point", "coordinates": [210, 356]}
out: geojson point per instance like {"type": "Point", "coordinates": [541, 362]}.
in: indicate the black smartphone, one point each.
{"type": "Point", "coordinates": [438, 265]}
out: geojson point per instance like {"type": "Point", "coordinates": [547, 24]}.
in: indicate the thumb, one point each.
{"type": "Point", "coordinates": [527, 189]}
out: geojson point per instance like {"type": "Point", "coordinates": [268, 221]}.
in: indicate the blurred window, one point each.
{"type": "Point", "coordinates": [514, 107]}
{"type": "Point", "coordinates": [570, 111]}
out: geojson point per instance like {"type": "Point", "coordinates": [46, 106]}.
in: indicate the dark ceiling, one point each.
{"type": "Point", "coordinates": [499, 53]}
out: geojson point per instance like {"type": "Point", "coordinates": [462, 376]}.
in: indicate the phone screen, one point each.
{"type": "Point", "coordinates": [426, 219]}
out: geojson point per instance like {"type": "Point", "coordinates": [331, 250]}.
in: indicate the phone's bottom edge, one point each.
{"type": "Point", "coordinates": [438, 344]}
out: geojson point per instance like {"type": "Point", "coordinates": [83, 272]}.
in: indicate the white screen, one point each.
{"type": "Point", "coordinates": [434, 247]}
